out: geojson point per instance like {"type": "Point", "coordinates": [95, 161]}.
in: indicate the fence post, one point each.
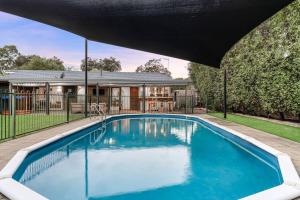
{"type": "Point", "coordinates": [97, 94]}
{"type": "Point", "coordinates": [86, 79]}
{"type": "Point", "coordinates": [13, 110]}
{"type": "Point", "coordinates": [206, 104]}
{"type": "Point", "coordinates": [120, 100]}
{"type": "Point", "coordinates": [1, 109]}
{"type": "Point", "coordinates": [144, 98]}
{"type": "Point", "coordinates": [89, 107]}
{"type": "Point", "coordinates": [109, 100]}
{"type": "Point", "coordinates": [225, 94]}
{"type": "Point", "coordinates": [47, 98]}
{"type": "Point", "coordinates": [68, 107]}
{"type": "Point", "coordinates": [10, 91]}
{"type": "Point", "coordinates": [185, 96]}
{"type": "Point", "coordinates": [33, 101]}
{"type": "Point", "coordinates": [192, 104]}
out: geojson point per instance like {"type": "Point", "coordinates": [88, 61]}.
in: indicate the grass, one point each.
{"type": "Point", "coordinates": [285, 131]}
{"type": "Point", "coordinates": [32, 122]}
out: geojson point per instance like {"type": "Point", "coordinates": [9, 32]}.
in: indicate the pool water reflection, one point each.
{"type": "Point", "coordinates": [146, 158]}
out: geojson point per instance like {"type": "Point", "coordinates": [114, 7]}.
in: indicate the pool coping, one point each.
{"type": "Point", "coordinates": [289, 189]}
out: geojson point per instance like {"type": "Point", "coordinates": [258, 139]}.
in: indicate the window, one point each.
{"type": "Point", "coordinates": [115, 96]}
{"type": "Point", "coordinates": [159, 92]}
{"type": "Point", "coordinates": [101, 92]}
{"type": "Point", "coordinates": [152, 92]}
{"type": "Point", "coordinates": [3, 89]}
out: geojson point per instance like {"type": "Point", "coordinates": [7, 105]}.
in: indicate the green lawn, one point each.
{"type": "Point", "coordinates": [32, 122]}
{"type": "Point", "coordinates": [285, 131]}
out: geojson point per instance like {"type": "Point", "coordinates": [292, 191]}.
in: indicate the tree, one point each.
{"type": "Point", "coordinates": [205, 79]}
{"type": "Point", "coordinates": [107, 64]}
{"type": "Point", "coordinates": [69, 68]}
{"type": "Point", "coordinates": [263, 69]}
{"type": "Point", "coordinates": [39, 63]}
{"type": "Point", "coordinates": [22, 60]}
{"type": "Point", "coordinates": [110, 64]}
{"type": "Point", "coordinates": [93, 64]}
{"type": "Point", "coordinates": [8, 56]}
{"type": "Point", "coordinates": [154, 65]}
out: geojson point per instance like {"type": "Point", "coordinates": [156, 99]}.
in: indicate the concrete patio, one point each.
{"type": "Point", "coordinates": [8, 149]}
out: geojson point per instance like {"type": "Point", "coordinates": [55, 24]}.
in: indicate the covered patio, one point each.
{"type": "Point", "coordinates": [116, 92]}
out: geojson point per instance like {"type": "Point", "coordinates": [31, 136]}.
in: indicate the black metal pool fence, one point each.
{"type": "Point", "coordinates": [21, 113]}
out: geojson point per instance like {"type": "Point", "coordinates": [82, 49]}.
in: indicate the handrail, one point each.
{"type": "Point", "coordinates": [96, 109]}
{"type": "Point", "coordinates": [96, 137]}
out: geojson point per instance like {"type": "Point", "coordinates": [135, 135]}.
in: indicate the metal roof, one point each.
{"type": "Point", "coordinates": [196, 30]}
{"type": "Point", "coordinates": [31, 77]}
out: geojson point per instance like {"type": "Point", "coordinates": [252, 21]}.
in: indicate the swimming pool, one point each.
{"type": "Point", "coordinates": [150, 157]}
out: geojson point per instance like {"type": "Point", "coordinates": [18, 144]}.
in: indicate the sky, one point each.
{"type": "Point", "coordinates": [32, 37]}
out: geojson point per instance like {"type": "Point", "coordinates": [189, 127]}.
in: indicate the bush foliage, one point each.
{"type": "Point", "coordinates": [263, 69]}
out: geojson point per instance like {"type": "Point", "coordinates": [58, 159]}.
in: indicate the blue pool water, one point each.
{"type": "Point", "coordinates": [149, 158]}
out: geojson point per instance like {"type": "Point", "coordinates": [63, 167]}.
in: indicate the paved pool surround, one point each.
{"type": "Point", "coordinates": [289, 189]}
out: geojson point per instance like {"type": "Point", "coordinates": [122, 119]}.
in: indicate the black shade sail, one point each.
{"type": "Point", "coordinates": [196, 30]}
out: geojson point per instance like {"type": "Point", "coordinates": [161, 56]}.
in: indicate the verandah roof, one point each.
{"type": "Point", "coordinates": [197, 30]}
{"type": "Point", "coordinates": [40, 77]}
{"type": "Point", "coordinates": [124, 83]}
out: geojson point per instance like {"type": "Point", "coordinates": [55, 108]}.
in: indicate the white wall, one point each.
{"type": "Point", "coordinates": [141, 91]}
{"type": "Point", "coordinates": [56, 96]}
{"type": "Point", "coordinates": [80, 91]}
{"type": "Point", "coordinates": [56, 90]}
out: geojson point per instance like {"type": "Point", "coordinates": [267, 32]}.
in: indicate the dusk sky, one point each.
{"type": "Point", "coordinates": [32, 37]}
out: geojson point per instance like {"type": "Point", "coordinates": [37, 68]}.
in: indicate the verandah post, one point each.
{"type": "Point", "coordinates": [109, 99]}
{"type": "Point", "coordinates": [68, 107]}
{"type": "Point", "coordinates": [144, 98]}
{"type": "Point", "coordinates": [47, 98]}
{"type": "Point", "coordinates": [120, 100]}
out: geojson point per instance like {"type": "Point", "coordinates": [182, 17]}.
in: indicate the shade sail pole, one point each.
{"type": "Point", "coordinates": [225, 93]}
{"type": "Point", "coordinates": [86, 80]}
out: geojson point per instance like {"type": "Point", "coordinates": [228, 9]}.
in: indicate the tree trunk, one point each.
{"type": "Point", "coordinates": [281, 115]}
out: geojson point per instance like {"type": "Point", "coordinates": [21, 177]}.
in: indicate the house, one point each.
{"type": "Point", "coordinates": [116, 90]}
